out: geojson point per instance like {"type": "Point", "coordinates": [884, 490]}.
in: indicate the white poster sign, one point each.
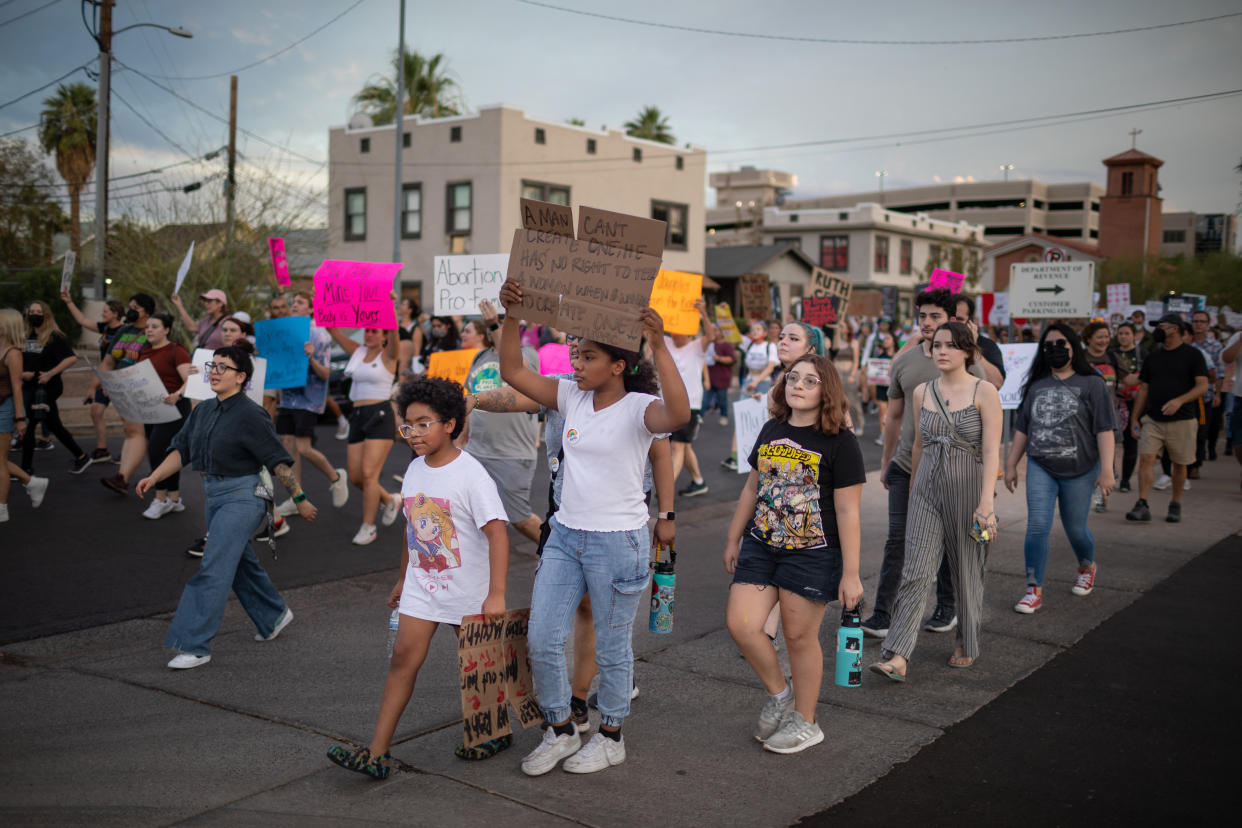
{"type": "Point", "coordinates": [1118, 298]}
{"type": "Point", "coordinates": [184, 269]}
{"type": "Point", "coordinates": [749, 415]}
{"type": "Point", "coordinates": [1000, 309]}
{"type": "Point", "coordinates": [198, 386]}
{"type": "Point", "coordinates": [462, 282]}
{"type": "Point", "coordinates": [1018, 358]}
{"type": "Point", "coordinates": [137, 394]}
{"type": "Point", "coordinates": [66, 273]}
{"type": "Point", "coordinates": [1043, 290]}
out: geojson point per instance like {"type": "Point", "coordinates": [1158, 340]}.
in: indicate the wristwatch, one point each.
{"type": "Point", "coordinates": [495, 326]}
{"type": "Point", "coordinates": [665, 515]}
{"type": "Point", "coordinates": [299, 497]}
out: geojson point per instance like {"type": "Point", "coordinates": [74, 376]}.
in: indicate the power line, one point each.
{"type": "Point", "coordinates": [261, 61]}
{"type": "Point", "coordinates": [21, 129]}
{"type": "Point", "coordinates": [153, 127]}
{"type": "Point", "coordinates": [863, 42]}
{"type": "Point", "coordinates": [27, 14]}
{"type": "Point", "coordinates": [44, 86]}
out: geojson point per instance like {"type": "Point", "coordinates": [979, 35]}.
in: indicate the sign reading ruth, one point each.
{"type": "Point", "coordinates": [593, 284]}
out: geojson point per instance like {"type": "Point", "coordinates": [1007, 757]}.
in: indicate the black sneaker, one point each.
{"type": "Point", "coordinates": [942, 620]}
{"type": "Point", "coordinates": [1140, 512]}
{"type": "Point", "coordinates": [1123, 486]}
{"type": "Point", "coordinates": [43, 445]}
{"type": "Point", "coordinates": [729, 463]}
{"type": "Point", "coordinates": [100, 454]}
{"type": "Point", "coordinates": [80, 465]}
{"type": "Point", "coordinates": [195, 550]}
{"type": "Point", "coordinates": [281, 527]}
{"type": "Point", "coordinates": [1175, 513]}
{"type": "Point", "coordinates": [694, 489]}
{"type": "Point", "coordinates": [876, 626]}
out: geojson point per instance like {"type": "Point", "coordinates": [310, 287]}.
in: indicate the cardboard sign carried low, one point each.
{"type": "Point", "coordinates": [820, 310]}
{"type": "Point", "coordinates": [283, 345]}
{"type": "Point", "coordinates": [198, 384]}
{"type": "Point", "coordinates": [749, 415]}
{"type": "Point", "coordinates": [493, 667]}
{"type": "Point", "coordinates": [280, 262]}
{"type": "Point", "coordinates": [756, 294]}
{"type": "Point", "coordinates": [728, 327]}
{"type": "Point", "coordinates": [673, 296]}
{"type": "Point", "coordinates": [137, 394]}
{"type": "Point", "coordinates": [947, 279]}
{"type": "Point", "coordinates": [1018, 357]}
{"type": "Point", "coordinates": [451, 365]}
{"type": "Point", "coordinates": [594, 284]}
{"type": "Point", "coordinates": [183, 269]}
{"type": "Point", "coordinates": [66, 272]}
{"type": "Point", "coordinates": [462, 282]}
{"type": "Point", "coordinates": [355, 294]}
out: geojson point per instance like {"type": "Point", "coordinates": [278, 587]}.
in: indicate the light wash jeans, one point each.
{"type": "Point", "coordinates": [612, 568]}
{"type": "Point", "coordinates": [1043, 491]}
{"type": "Point", "coordinates": [233, 516]}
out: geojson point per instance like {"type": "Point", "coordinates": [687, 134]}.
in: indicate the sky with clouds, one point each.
{"type": "Point", "coordinates": [727, 94]}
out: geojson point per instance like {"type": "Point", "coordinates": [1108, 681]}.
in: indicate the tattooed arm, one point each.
{"type": "Point", "coordinates": [501, 401]}
{"type": "Point", "coordinates": [284, 473]}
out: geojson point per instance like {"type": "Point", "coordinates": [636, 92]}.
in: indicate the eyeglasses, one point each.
{"type": "Point", "coordinates": [217, 368]}
{"type": "Point", "coordinates": [807, 381]}
{"type": "Point", "coordinates": [408, 430]}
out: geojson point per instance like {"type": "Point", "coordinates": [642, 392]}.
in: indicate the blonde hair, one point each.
{"type": "Point", "coordinates": [12, 328]}
{"type": "Point", "coordinates": [49, 328]}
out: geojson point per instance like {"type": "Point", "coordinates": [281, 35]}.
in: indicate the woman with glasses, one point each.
{"type": "Point", "coordinates": [229, 439]}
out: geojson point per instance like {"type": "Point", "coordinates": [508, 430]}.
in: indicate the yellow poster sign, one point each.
{"type": "Point", "coordinates": [673, 297]}
{"type": "Point", "coordinates": [453, 365]}
{"type": "Point", "coordinates": [724, 321]}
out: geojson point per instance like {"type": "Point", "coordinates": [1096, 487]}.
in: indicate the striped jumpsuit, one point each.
{"type": "Point", "coordinates": [943, 497]}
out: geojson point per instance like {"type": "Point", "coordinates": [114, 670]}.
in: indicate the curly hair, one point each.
{"type": "Point", "coordinates": [941, 298]}
{"type": "Point", "coordinates": [442, 396]}
{"type": "Point", "coordinates": [833, 404]}
{"type": "Point", "coordinates": [639, 375]}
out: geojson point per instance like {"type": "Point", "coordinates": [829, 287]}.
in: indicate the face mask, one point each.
{"type": "Point", "coordinates": [1058, 355]}
{"type": "Point", "coordinates": [1158, 336]}
{"type": "Point", "coordinates": [131, 316]}
{"type": "Point", "coordinates": [35, 321]}
{"type": "Point", "coordinates": [438, 333]}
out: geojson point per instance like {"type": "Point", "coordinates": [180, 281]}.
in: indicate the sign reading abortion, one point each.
{"type": "Point", "coordinates": [462, 282]}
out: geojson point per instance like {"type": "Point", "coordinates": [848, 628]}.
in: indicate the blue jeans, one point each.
{"type": "Point", "coordinates": [895, 550]}
{"type": "Point", "coordinates": [612, 568]}
{"type": "Point", "coordinates": [233, 515]}
{"type": "Point", "coordinates": [716, 398]}
{"type": "Point", "coordinates": [1043, 491]}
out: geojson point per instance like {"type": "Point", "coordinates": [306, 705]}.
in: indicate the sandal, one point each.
{"type": "Point", "coordinates": [886, 669]}
{"type": "Point", "coordinates": [960, 661]}
{"type": "Point", "coordinates": [361, 761]}
{"type": "Point", "coordinates": [487, 750]}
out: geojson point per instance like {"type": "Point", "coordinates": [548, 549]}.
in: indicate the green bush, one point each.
{"type": "Point", "coordinates": [18, 288]}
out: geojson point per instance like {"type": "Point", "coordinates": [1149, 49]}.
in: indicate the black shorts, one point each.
{"type": "Point", "coordinates": [881, 393]}
{"type": "Point", "coordinates": [296, 421]}
{"type": "Point", "coordinates": [372, 422]}
{"type": "Point", "coordinates": [101, 397]}
{"type": "Point", "coordinates": [814, 574]}
{"type": "Point", "coordinates": [689, 431]}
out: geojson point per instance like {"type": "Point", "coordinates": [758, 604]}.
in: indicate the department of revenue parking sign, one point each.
{"type": "Point", "coordinates": [1046, 290]}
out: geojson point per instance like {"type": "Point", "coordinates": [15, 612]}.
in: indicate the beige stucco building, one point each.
{"type": "Point", "coordinates": [463, 176]}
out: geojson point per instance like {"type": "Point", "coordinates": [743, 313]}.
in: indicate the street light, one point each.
{"type": "Point", "coordinates": [881, 174]}
{"type": "Point", "coordinates": [104, 39]}
{"type": "Point", "coordinates": [1005, 168]}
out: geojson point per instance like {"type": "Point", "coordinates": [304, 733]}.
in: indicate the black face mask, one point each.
{"type": "Point", "coordinates": [1158, 336]}
{"type": "Point", "coordinates": [131, 316]}
{"type": "Point", "coordinates": [1058, 354]}
{"type": "Point", "coordinates": [35, 321]}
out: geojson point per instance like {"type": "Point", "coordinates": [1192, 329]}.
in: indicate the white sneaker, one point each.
{"type": "Point", "coordinates": [366, 534]}
{"type": "Point", "coordinates": [599, 754]}
{"type": "Point", "coordinates": [1162, 483]}
{"type": "Point", "coordinates": [552, 749]}
{"type": "Point", "coordinates": [175, 506]}
{"type": "Point", "coordinates": [281, 623]}
{"type": "Point", "coordinates": [187, 661]}
{"type": "Point", "coordinates": [796, 734]}
{"type": "Point", "coordinates": [157, 509]}
{"type": "Point", "coordinates": [4, 513]}
{"type": "Point", "coordinates": [342, 429]}
{"type": "Point", "coordinates": [391, 511]}
{"type": "Point", "coordinates": [1186, 485]}
{"type": "Point", "coordinates": [340, 489]}
{"type": "Point", "coordinates": [36, 488]}
{"type": "Point", "coordinates": [287, 508]}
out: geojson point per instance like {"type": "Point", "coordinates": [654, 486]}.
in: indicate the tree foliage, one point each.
{"type": "Point", "coordinates": [1218, 276]}
{"type": "Point", "coordinates": [67, 131]}
{"type": "Point", "coordinates": [29, 217]}
{"type": "Point", "coordinates": [651, 125]}
{"type": "Point", "coordinates": [430, 90]}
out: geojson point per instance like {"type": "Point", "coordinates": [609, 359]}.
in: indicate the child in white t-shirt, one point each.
{"type": "Point", "coordinates": [455, 557]}
{"type": "Point", "coordinates": [598, 544]}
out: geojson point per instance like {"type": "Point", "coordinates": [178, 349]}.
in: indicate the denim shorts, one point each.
{"type": "Point", "coordinates": [814, 574]}
{"type": "Point", "coordinates": [6, 416]}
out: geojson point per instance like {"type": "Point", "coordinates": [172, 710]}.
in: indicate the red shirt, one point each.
{"type": "Point", "coordinates": [166, 360]}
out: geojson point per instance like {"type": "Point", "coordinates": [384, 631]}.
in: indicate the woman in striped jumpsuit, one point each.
{"type": "Point", "coordinates": [955, 464]}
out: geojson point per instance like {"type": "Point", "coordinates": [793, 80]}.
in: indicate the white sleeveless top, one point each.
{"type": "Point", "coordinates": [371, 380]}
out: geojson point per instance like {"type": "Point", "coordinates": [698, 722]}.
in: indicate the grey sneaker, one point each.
{"type": "Point", "coordinates": [774, 710]}
{"type": "Point", "coordinates": [796, 734]}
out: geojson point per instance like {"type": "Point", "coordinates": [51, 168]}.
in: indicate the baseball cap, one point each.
{"type": "Point", "coordinates": [214, 293]}
{"type": "Point", "coordinates": [1171, 319]}
{"type": "Point", "coordinates": [242, 315]}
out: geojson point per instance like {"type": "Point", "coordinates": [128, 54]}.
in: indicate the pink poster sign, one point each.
{"type": "Point", "coordinates": [941, 278]}
{"type": "Point", "coordinates": [355, 294]}
{"type": "Point", "coordinates": [280, 265]}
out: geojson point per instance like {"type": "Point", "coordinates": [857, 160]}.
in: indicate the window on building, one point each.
{"type": "Point", "coordinates": [881, 254]}
{"type": "Point", "coordinates": [405, 140]}
{"type": "Point", "coordinates": [1095, 206]}
{"type": "Point", "coordinates": [796, 241]}
{"type": "Point", "coordinates": [590, 146]}
{"type": "Point", "coordinates": [455, 135]}
{"type": "Point", "coordinates": [907, 257]}
{"type": "Point", "coordinates": [793, 218]}
{"type": "Point", "coordinates": [1066, 232]}
{"type": "Point", "coordinates": [411, 210]}
{"type": "Point", "coordinates": [843, 216]}
{"type": "Point", "coordinates": [638, 154]}
{"type": "Point", "coordinates": [1037, 229]}
{"type": "Point", "coordinates": [834, 253]}
{"type": "Point", "coordinates": [356, 214]}
{"type": "Point", "coordinates": [990, 203]}
{"type": "Point", "coordinates": [1127, 183]}
{"type": "Point", "coordinates": [539, 191]}
{"type": "Point", "coordinates": [1065, 205]}
{"type": "Point", "coordinates": [460, 214]}
{"type": "Point", "coordinates": [676, 216]}
{"type": "Point", "coordinates": [1095, 234]}
{"type": "Point", "coordinates": [364, 145]}
{"type": "Point", "coordinates": [1039, 205]}
{"type": "Point", "coordinates": [929, 207]}
{"type": "Point", "coordinates": [933, 253]}
{"type": "Point", "coordinates": [1004, 230]}
{"type": "Point", "coordinates": [1174, 236]}
{"type": "Point", "coordinates": [541, 135]}
{"type": "Point", "coordinates": [680, 163]}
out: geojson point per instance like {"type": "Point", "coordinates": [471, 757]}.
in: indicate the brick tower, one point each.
{"type": "Point", "coordinates": [1130, 209]}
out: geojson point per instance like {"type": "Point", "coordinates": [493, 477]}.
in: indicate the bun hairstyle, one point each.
{"type": "Point", "coordinates": [833, 405]}
{"type": "Point", "coordinates": [639, 374]}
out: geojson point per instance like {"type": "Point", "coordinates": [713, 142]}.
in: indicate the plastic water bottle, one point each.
{"type": "Point", "coordinates": [663, 582]}
{"type": "Point", "coordinates": [394, 621]}
{"type": "Point", "coordinates": [849, 649]}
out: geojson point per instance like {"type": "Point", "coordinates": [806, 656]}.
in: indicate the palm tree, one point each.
{"type": "Point", "coordinates": [429, 90]}
{"type": "Point", "coordinates": [67, 129]}
{"type": "Point", "coordinates": [650, 124]}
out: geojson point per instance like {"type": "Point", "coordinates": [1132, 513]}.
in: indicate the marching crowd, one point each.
{"type": "Point", "coordinates": [618, 427]}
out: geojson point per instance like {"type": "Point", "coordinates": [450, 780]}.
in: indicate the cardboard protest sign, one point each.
{"type": "Point", "coordinates": [947, 279]}
{"type": "Point", "coordinates": [66, 273]}
{"type": "Point", "coordinates": [137, 394]}
{"type": "Point", "coordinates": [462, 282]}
{"type": "Point", "coordinates": [355, 294]}
{"type": "Point", "coordinates": [756, 295]}
{"type": "Point", "coordinates": [198, 384]}
{"type": "Point", "coordinates": [1118, 297]}
{"type": "Point", "coordinates": [283, 344]}
{"type": "Point", "coordinates": [184, 269]}
{"type": "Point", "coordinates": [452, 365]}
{"type": "Point", "coordinates": [1018, 357]}
{"type": "Point", "coordinates": [878, 371]}
{"type": "Point", "coordinates": [728, 327]}
{"type": "Point", "coordinates": [280, 263]}
{"type": "Point", "coordinates": [820, 310]}
{"type": "Point", "coordinates": [493, 667]}
{"type": "Point", "coordinates": [749, 415]}
{"type": "Point", "coordinates": [673, 297]}
{"type": "Point", "coordinates": [547, 217]}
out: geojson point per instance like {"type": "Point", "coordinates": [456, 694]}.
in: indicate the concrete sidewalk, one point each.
{"type": "Point", "coordinates": [101, 732]}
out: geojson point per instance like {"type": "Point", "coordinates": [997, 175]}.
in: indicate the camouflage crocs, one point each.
{"type": "Point", "coordinates": [360, 760]}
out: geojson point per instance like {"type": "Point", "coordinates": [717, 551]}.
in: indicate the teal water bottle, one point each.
{"type": "Point", "coordinates": [663, 580]}
{"type": "Point", "coordinates": [849, 649]}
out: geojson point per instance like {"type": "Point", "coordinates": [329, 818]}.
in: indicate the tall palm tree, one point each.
{"type": "Point", "coordinates": [67, 129]}
{"type": "Point", "coordinates": [429, 90]}
{"type": "Point", "coordinates": [650, 124]}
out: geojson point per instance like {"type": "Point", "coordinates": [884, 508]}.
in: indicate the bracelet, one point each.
{"type": "Point", "coordinates": [299, 497]}
{"type": "Point", "coordinates": [495, 326]}
{"type": "Point", "coordinates": [19, 419]}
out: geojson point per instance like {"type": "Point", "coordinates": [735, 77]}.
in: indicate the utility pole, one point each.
{"type": "Point", "coordinates": [398, 140]}
{"type": "Point", "coordinates": [230, 182]}
{"type": "Point", "coordinates": [101, 145]}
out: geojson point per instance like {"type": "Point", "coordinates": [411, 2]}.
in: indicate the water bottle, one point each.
{"type": "Point", "coordinates": [663, 579]}
{"type": "Point", "coordinates": [849, 649]}
{"type": "Point", "coordinates": [394, 621]}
